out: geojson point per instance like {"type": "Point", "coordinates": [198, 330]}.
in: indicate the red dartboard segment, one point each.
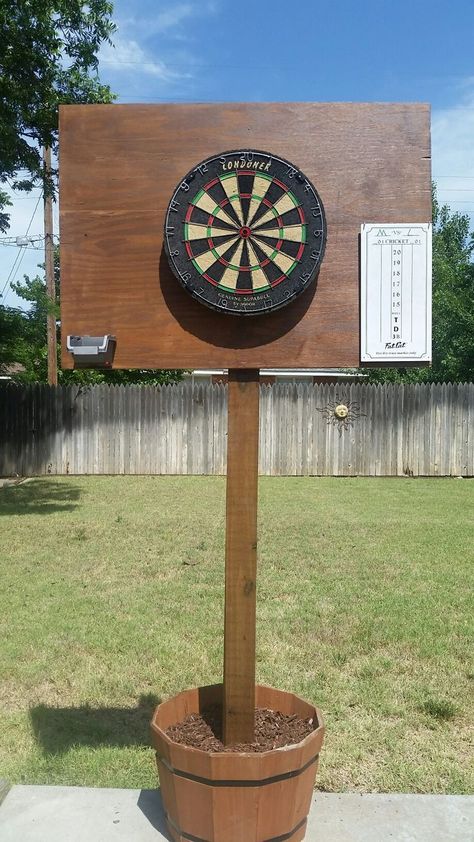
{"type": "Point", "coordinates": [280, 184]}
{"type": "Point", "coordinates": [246, 245]}
{"type": "Point", "coordinates": [211, 184]}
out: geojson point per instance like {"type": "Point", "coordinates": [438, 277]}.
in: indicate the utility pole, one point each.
{"type": "Point", "coordinates": [49, 272]}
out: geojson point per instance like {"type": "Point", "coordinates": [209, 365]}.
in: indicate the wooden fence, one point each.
{"type": "Point", "coordinates": [391, 430]}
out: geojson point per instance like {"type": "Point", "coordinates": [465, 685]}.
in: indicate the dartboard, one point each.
{"type": "Point", "coordinates": [245, 232]}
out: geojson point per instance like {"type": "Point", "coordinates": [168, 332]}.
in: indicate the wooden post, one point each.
{"type": "Point", "coordinates": [49, 273]}
{"type": "Point", "coordinates": [241, 555]}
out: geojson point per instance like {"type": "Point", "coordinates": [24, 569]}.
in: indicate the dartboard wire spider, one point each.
{"type": "Point", "coordinates": [245, 233]}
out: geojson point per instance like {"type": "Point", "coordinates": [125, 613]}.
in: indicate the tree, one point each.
{"type": "Point", "coordinates": [33, 351]}
{"type": "Point", "coordinates": [12, 338]}
{"type": "Point", "coordinates": [453, 306]}
{"type": "Point", "coordinates": [453, 297]}
{"type": "Point", "coordinates": [48, 56]}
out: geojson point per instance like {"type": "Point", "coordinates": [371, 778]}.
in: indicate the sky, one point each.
{"type": "Point", "coordinates": [340, 51]}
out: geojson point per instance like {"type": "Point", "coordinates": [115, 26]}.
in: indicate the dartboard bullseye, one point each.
{"type": "Point", "coordinates": [245, 232]}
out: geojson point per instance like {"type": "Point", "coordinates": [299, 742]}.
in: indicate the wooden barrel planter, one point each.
{"type": "Point", "coordinates": [236, 796]}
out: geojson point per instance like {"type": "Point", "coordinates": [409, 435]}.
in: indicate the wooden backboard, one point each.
{"type": "Point", "coordinates": [119, 165]}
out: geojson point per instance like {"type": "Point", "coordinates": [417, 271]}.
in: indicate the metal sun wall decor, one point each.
{"type": "Point", "coordinates": [245, 232]}
{"type": "Point", "coordinates": [341, 413]}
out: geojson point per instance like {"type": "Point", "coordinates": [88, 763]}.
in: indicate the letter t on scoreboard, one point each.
{"type": "Point", "coordinates": [396, 294]}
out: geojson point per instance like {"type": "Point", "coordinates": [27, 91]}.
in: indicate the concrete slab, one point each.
{"type": "Point", "coordinates": [74, 814]}
{"type": "Point", "coordinates": [350, 817]}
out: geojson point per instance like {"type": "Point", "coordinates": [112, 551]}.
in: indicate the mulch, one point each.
{"type": "Point", "coordinates": [272, 730]}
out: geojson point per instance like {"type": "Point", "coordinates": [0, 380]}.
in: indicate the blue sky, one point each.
{"type": "Point", "coordinates": [218, 50]}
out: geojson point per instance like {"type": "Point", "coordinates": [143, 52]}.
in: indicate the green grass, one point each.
{"type": "Point", "coordinates": [112, 597]}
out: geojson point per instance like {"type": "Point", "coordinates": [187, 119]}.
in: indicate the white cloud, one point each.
{"type": "Point", "coordinates": [127, 56]}
{"type": "Point", "coordinates": [152, 21]}
{"type": "Point", "coordinates": [144, 51]}
{"type": "Point", "coordinates": [170, 18]}
{"type": "Point", "coordinates": [453, 151]}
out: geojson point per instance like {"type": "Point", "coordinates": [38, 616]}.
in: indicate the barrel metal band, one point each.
{"type": "Point", "coordinates": [245, 783]}
{"type": "Point", "coordinates": [189, 836]}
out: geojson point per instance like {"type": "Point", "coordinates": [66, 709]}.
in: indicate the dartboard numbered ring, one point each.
{"type": "Point", "coordinates": [245, 232]}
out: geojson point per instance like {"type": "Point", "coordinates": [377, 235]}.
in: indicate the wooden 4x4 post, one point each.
{"type": "Point", "coordinates": [241, 556]}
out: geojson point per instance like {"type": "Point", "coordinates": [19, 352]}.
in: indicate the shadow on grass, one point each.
{"type": "Point", "coordinates": [59, 729]}
{"type": "Point", "coordinates": [38, 497]}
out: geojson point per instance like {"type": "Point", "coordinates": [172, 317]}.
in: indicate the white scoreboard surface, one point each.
{"type": "Point", "coordinates": [396, 293]}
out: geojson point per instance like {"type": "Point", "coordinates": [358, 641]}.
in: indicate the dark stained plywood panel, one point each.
{"type": "Point", "coordinates": [119, 165]}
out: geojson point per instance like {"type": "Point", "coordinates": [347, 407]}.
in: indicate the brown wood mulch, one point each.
{"type": "Point", "coordinates": [272, 730]}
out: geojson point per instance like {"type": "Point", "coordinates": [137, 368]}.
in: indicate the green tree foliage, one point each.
{"type": "Point", "coordinates": [48, 56]}
{"type": "Point", "coordinates": [453, 306]}
{"type": "Point", "coordinates": [453, 297]}
{"type": "Point", "coordinates": [12, 338]}
{"type": "Point", "coordinates": [32, 353]}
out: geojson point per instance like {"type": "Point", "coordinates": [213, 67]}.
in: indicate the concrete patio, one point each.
{"type": "Point", "coordinates": [74, 814]}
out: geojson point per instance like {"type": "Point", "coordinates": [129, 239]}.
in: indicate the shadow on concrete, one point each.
{"type": "Point", "coordinates": [39, 497]}
{"type": "Point", "coordinates": [58, 730]}
{"type": "Point", "coordinates": [151, 805]}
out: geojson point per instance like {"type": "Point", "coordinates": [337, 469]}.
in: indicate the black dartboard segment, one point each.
{"type": "Point", "coordinates": [245, 232]}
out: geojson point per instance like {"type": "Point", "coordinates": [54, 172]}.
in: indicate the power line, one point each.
{"type": "Point", "coordinates": [140, 98]}
{"type": "Point", "coordinates": [196, 66]}
{"type": "Point", "coordinates": [18, 240]}
{"type": "Point", "coordinates": [24, 198]}
{"type": "Point", "coordinates": [25, 247]}
{"type": "Point", "coordinates": [22, 253]}
{"type": "Point", "coordinates": [19, 257]}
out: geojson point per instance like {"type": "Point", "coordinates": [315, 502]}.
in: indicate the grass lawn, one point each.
{"type": "Point", "coordinates": [111, 598]}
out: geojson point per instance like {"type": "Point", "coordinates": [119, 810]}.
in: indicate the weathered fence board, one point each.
{"type": "Point", "coordinates": [394, 430]}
